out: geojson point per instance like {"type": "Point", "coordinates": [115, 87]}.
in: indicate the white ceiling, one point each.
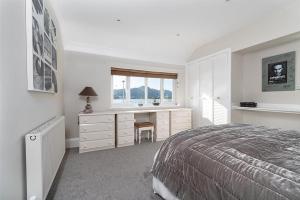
{"type": "Point", "coordinates": [147, 30]}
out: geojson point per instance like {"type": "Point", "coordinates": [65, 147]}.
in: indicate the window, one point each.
{"type": "Point", "coordinates": [153, 90]}
{"type": "Point", "coordinates": [119, 89]}
{"type": "Point", "coordinates": [133, 87]}
{"type": "Point", "coordinates": [137, 90]}
{"type": "Point", "coordinates": [168, 90]}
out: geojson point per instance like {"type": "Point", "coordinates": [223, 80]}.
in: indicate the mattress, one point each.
{"type": "Point", "coordinates": [234, 161]}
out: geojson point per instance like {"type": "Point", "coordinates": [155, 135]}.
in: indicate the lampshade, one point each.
{"type": "Point", "coordinates": [88, 91]}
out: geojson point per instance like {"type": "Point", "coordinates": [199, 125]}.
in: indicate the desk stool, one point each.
{"type": "Point", "coordinates": [143, 126]}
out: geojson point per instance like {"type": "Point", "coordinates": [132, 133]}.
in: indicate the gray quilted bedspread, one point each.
{"type": "Point", "coordinates": [235, 161]}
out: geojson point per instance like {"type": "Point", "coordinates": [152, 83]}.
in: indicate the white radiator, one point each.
{"type": "Point", "coordinates": [45, 148]}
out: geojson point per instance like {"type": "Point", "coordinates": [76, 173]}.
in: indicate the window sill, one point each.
{"type": "Point", "coordinates": [136, 107]}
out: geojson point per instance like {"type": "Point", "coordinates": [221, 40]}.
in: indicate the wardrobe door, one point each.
{"type": "Point", "coordinates": [221, 88]}
{"type": "Point", "coordinates": [206, 92]}
{"type": "Point", "coordinates": [192, 90]}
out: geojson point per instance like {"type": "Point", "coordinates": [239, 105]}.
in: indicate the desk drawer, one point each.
{"type": "Point", "coordinates": [96, 144]}
{"type": "Point", "coordinates": [162, 129]}
{"type": "Point", "coordinates": [92, 119]}
{"type": "Point", "coordinates": [182, 120]}
{"type": "Point", "coordinates": [125, 117]}
{"type": "Point", "coordinates": [162, 133]}
{"type": "Point", "coordinates": [83, 128]}
{"type": "Point", "coordinates": [179, 129]}
{"type": "Point", "coordinates": [162, 123]}
{"type": "Point", "coordinates": [181, 114]}
{"type": "Point", "coordinates": [126, 132]}
{"type": "Point", "coordinates": [182, 123]}
{"type": "Point", "coordinates": [125, 125]}
{"type": "Point", "coordinates": [125, 141]}
{"type": "Point", "coordinates": [97, 135]}
{"type": "Point", "coordinates": [162, 116]}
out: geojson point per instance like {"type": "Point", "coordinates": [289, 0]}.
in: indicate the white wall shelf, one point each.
{"type": "Point", "coordinates": [275, 108]}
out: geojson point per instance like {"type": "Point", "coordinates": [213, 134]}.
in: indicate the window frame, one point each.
{"type": "Point", "coordinates": [128, 103]}
{"type": "Point", "coordinates": [173, 94]}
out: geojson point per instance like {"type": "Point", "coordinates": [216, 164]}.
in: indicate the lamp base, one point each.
{"type": "Point", "coordinates": [88, 108]}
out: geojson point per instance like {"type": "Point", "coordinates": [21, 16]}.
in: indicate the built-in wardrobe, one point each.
{"type": "Point", "coordinates": [208, 89]}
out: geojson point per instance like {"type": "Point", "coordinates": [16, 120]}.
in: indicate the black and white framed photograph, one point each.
{"type": "Point", "coordinates": [38, 6]}
{"type": "Point", "coordinates": [38, 73]}
{"type": "Point", "coordinates": [37, 37]}
{"type": "Point", "coordinates": [278, 72]}
{"type": "Point", "coordinates": [47, 49]}
{"type": "Point", "coordinates": [54, 58]}
{"type": "Point", "coordinates": [47, 21]}
{"type": "Point", "coordinates": [52, 32]}
{"type": "Point", "coordinates": [48, 78]}
{"type": "Point", "coordinates": [54, 81]}
{"type": "Point", "coordinates": [42, 66]}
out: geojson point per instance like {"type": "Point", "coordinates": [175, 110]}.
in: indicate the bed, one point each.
{"type": "Point", "coordinates": [229, 162]}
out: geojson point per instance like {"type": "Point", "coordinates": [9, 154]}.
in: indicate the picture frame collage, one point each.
{"type": "Point", "coordinates": [42, 63]}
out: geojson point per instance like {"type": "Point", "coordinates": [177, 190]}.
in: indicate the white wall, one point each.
{"type": "Point", "coordinates": [236, 87]}
{"type": "Point", "coordinates": [277, 24]}
{"type": "Point", "coordinates": [20, 110]}
{"type": "Point", "coordinates": [252, 73]}
{"type": "Point", "coordinates": [82, 69]}
{"type": "Point", "coordinates": [251, 88]}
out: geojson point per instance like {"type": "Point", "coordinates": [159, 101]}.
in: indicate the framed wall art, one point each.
{"type": "Point", "coordinates": [278, 72]}
{"type": "Point", "coordinates": [41, 48]}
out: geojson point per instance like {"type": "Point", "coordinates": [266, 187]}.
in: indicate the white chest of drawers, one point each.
{"type": "Point", "coordinates": [96, 132]}
{"type": "Point", "coordinates": [125, 129]}
{"type": "Point", "coordinates": [180, 120]}
{"type": "Point", "coordinates": [106, 130]}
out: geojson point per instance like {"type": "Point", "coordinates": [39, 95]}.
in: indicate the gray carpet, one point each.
{"type": "Point", "coordinates": [116, 174]}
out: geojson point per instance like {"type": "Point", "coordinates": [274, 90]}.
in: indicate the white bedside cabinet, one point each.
{"type": "Point", "coordinates": [96, 132]}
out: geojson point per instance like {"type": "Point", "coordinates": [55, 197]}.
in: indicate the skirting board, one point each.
{"type": "Point", "coordinates": [72, 142]}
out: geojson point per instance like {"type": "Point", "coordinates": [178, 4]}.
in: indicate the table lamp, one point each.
{"type": "Point", "coordinates": [88, 92]}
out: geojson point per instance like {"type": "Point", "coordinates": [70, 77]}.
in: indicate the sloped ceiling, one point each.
{"type": "Point", "coordinates": [165, 31]}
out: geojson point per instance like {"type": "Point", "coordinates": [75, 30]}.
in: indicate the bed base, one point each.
{"type": "Point", "coordinates": [160, 189]}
